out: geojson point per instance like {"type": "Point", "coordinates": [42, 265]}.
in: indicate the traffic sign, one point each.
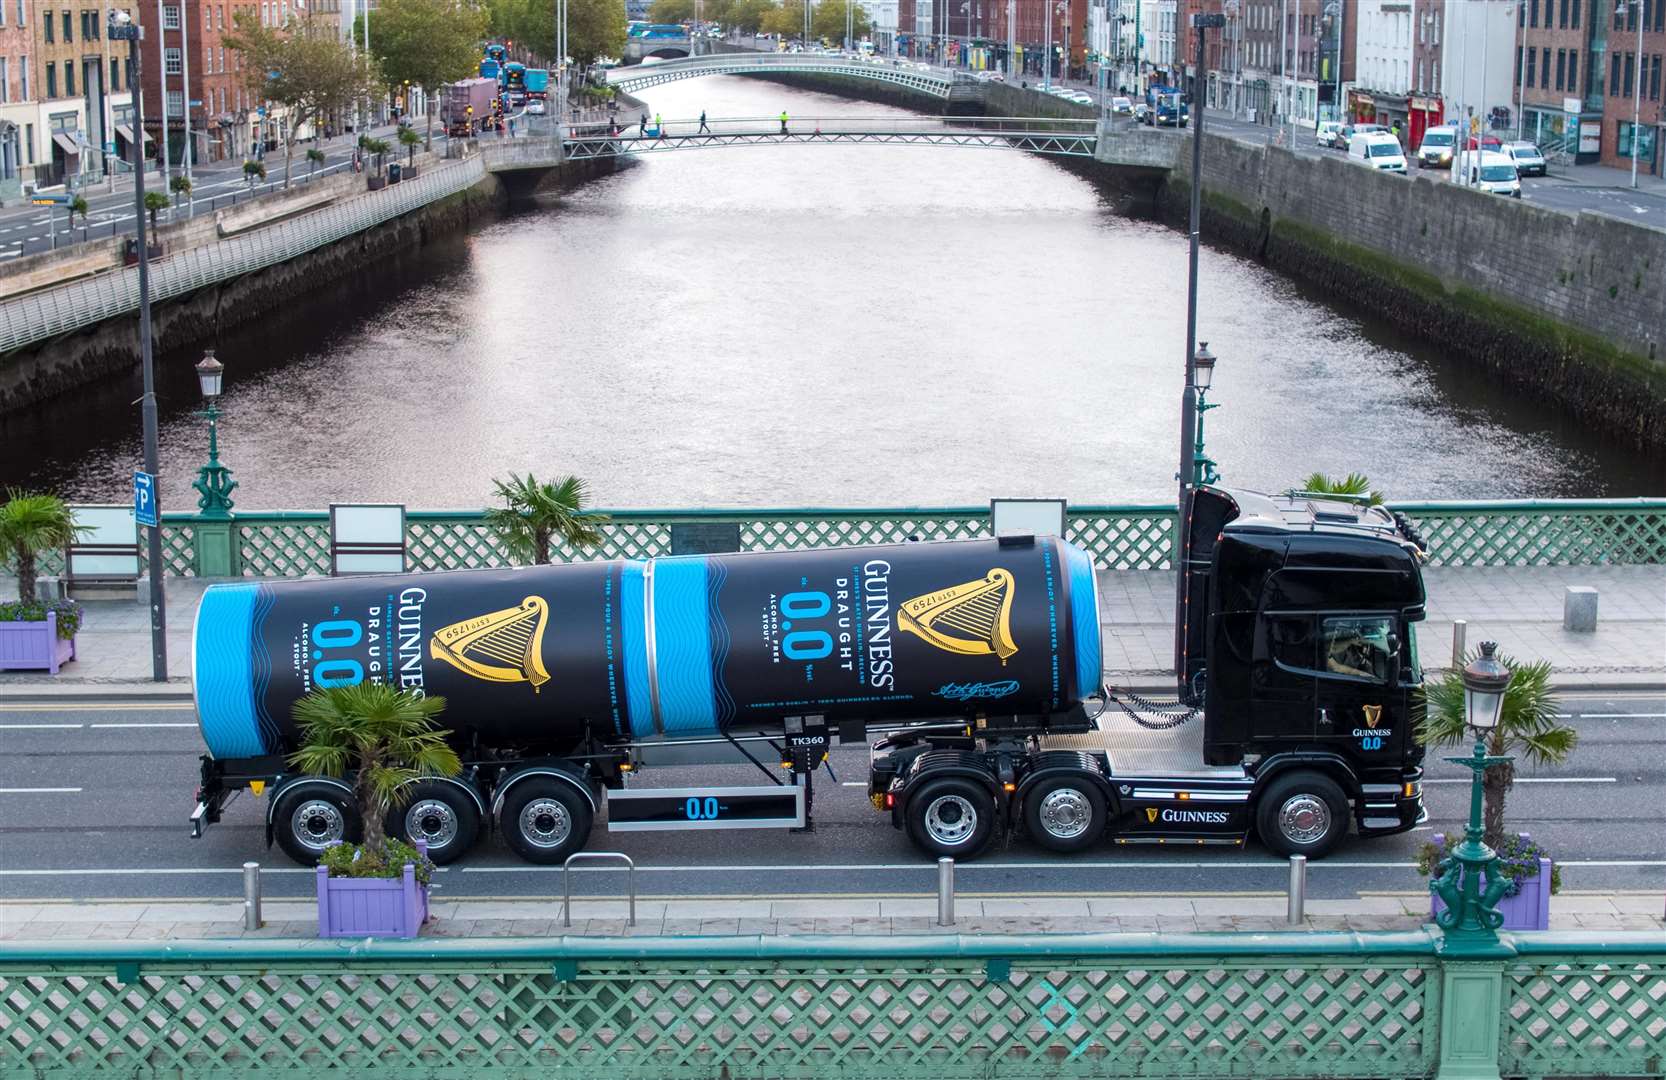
{"type": "Point", "coordinates": [144, 498]}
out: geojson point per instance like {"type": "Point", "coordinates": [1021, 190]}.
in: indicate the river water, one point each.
{"type": "Point", "coordinates": [815, 325]}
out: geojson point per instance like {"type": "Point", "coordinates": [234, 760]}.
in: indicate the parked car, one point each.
{"type": "Point", "coordinates": [1529, 161]}
{"type": "Point", "coordinates": [1495, 173]}
{"type": "Point", "coordinates": [535, 108]}
{"type": "Point", "coordinates": [1378, 150]}
{"type": "Point", "coordinates": [1121, 106]}
{"type": "Point", "coordinates": [1435, 151]}
{"type": "Point", "coordinates": [1080, 97]}
{"type": "Point", "coordinates": [1488, 142]}
{"type": "Point", "coordinates": [1325, 134]}
{"type": "Point", "coordinates": [1141, 112]}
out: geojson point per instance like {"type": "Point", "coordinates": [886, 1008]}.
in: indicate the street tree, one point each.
{"type": "Point", "coordinates": [155, 201]}
{"type": "Point", "coordinates": [537, 513]}
{"type": "Point", "coordinates": [428, 43]}
{"type": "Point", "coordinates": [827, 20]}
{"type": "Point", "coordinates": [595, 28]}
{"type": "Point", "coordinates": [746, 15]}
{"type": "Point", "coordinates": [32, 524]}
{"type": "Point", "coordinates": [303, 66]}
{"type": "Point", "coordinates": [77, 205]}
{"type": "Point", "coordinates": [672, 11]}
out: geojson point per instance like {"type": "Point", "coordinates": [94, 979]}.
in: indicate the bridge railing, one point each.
{"type": "Point", "coordinates": [690, 125]}
{"type": "Point", "coordinates": [1055, 1006]}
{"type": "Point", "coordinates": [1527, 532]}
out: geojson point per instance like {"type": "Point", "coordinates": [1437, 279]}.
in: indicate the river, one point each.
{"type": "Point", "coordinates": [815, 325]}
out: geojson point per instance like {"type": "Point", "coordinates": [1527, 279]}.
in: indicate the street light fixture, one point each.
{"type": "Point", "coordinates": [1203, 373]}
{"type": "Point", "coordinates": [213, 483]}
{"type": "Point", "coordinates": [1485, 680]}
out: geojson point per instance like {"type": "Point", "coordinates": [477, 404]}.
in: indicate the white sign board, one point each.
{"type": "Point", "coordinates": [367, 539]}
{"type": "Point", "coordinates": [1027, 517]}
{"type": "Point", "coordinates": [1570, 105]}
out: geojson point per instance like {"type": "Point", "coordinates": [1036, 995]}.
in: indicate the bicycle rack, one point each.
{"type": "Point", "coordinates": [567, 882]}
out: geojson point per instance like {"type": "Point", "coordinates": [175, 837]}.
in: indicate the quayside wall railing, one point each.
{"type": "Point", "coordinates": [1392, 1004]}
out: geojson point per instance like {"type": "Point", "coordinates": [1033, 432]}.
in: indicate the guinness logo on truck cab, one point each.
{"type": "Point", "coordinates": [1151, 814]}
{"type": "Point", "coordinates": [1373, 713]}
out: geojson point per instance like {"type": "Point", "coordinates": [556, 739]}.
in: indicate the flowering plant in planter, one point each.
{"type": "Point", "coordinates": [352, 861]}
{"type": "Point", "coordinates": [68, 612]}
{"type": "Point", "coordinates": [1518, 860]}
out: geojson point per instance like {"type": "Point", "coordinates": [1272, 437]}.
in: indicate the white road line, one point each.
{"type": "Point", "coordinates": [853, 783]}
{"type": "Point", "coordinates": [41, 727]}
{"type": "Point", "coordinates": [191, 724]}
{"type": "Point", "coordinates": [39, 790]}
{"type": "Point", "coordinates": [181, 870]}
{"type": "Point", "coordinates": [1540, 780]}
{"type": "Point", "coordinates": [146, 706]}
{"type": "Point", "coordinates": [1621, 715]}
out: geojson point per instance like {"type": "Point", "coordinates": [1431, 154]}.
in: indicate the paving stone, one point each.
{"type": "Point", "coordinates": [720, 926]}
{"type": "Point", "coordinates": [674, 927]}
{"type": "Point", "coordinates": [535, 927]}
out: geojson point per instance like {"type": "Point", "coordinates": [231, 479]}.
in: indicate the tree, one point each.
{"type": "Point", "coordinates": [409, 140]}
{"type": "Point", "coordinates": [180, 184]}
{"type": "Point", "coordinates": [1352, 484]}
{"type": "Point", "coordinates": [77, 205]}
{"type": "Point", "coordinates": [32, 524]}
{"type": "Point", "coordinates": [315, 158]}
{"type": "Point", "coordinates": [252, 171]}
{"type": "Point", "coordinates": [595, 28]}
{"type": "Point", "coordinates": [827, 22]}
{"type": "Point", "coordinates": [384, 737]}
{"type": "Point", "coordinates": [154, 201]}
{"type": "Point", "coordinates": [671, 11]}
{"type": "Point", "coordinates": [537, 513]}
{"type": "Point", "coordinates": [304, 67]}
{"type": "Point", "coordinates": [785, 19]}
{"type": "Point", "coordinates": [747, 15]}
{"type": "Point", "coordinates": [1528, 728]}
{"type": "Point", "coordinates": [428, 43]}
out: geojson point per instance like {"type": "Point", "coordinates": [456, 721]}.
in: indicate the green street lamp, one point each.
{"type": "Point", "coordinates": [213, 483]}
{"type": "Point", "coordinates": [1203, 372]}
{"type": "Point", "coordinates": [1472, 914]}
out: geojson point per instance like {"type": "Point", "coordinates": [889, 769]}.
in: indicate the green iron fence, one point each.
{"type": "Point", "coordinates": [1553, 532]}
{"type": "Point", "coordinates": [939, 1007]}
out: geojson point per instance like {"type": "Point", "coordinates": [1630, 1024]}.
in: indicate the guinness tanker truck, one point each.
{"type": "Point", "coordinates": [970, 669]}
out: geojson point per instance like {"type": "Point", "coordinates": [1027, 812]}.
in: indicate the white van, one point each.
{"type": "Point", "coordinates": [1377, 150]}
{"type": "Point", "coordinates": [1494, 172]}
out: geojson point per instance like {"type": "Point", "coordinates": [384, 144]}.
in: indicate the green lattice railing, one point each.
{"type": "Point", "coordinates": [941, 1007]}
{"type": "Point", "coordinates": [1499, 533]}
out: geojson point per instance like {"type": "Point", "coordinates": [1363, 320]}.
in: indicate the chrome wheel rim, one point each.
{"type": "Point", "coordinates": [431, 821]}
{"type": "Point", "coordinates": [317, 823]}
{"type": "Point", "coordinates": [545, 823]}
{"type": "Point", "coordinates": [950, 820]}
{"type": "Point", "coordinates": [1304, 819]}
{"type": "Point", "coordinates": [1066, 814]}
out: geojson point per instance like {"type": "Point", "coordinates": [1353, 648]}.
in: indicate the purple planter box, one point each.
{"type": "Point", "coordinates": [371, 907]}
{"type": "Point", "coordinates": [34, 645]}
{"type": "Point", "coordinates": [1529, 909]}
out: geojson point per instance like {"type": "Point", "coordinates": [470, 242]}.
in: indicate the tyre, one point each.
{"type": "Point", "coordinates": [951, 816]}
{"type": "Point", "coordinates": [545, 820]}
{"type": "Point", "coordinates": [1302, 813]}
{"type": "Point", "coordinates": [307, 818]}
{"type": "Point", "coordinates": [1065, 813]}
{"type": "Point", "coordinates": [441, 814]}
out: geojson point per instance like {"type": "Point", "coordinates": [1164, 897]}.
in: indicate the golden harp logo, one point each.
{"type": "Point", "coordinates": [1151, 814]}
{"type": "Point", "coordinates": [973, 619]}
{"type": "Point", "coordinates": [500, 646]}
{"type": "Point", "coordinates": [1373, 713]}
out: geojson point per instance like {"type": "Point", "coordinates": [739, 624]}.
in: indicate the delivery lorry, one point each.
{"type": "Point", "coordinates": [970, 671]}
{"type": "Point", "coordinates": [537, 83]}
{"type": "Point", "coordinates": [1166, 107]}
{"type": "Point", "coordinates": [467, 106]}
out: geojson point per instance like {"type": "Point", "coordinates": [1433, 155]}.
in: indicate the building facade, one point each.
{"type": "Point", "coordinates": [1633, 46]}
{"type": "Point", "coordinates": [1477, 77]}
{"type": "Point", "coordinates": [19, 116]}
{"type": "Point", "coordinates": [1383, 41]}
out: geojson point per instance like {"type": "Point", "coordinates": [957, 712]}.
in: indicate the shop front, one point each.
{"type": "Point", "coordinates": [1423, 114]}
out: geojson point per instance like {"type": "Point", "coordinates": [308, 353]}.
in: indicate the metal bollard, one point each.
{"type": "Point", "coordinates": [945, 891]}
{"type": "Point", "coordinates": [1459, 628]}
{"type": "Point", "coordinates": [251, 896]}
{"type": "Point", "coordinates": [1296, 901]}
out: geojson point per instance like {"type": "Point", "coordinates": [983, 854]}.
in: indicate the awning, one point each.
{"type": "Point", "coordinates": [66, 143]}
{"type": "Point", "coordinates": [126, 132]}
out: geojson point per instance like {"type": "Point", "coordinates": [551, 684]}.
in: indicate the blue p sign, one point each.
{"type": "Point", "coordinates": [144, 498]}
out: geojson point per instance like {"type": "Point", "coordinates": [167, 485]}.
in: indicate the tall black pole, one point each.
{"type": "Point", "coordinates": [147, 408]}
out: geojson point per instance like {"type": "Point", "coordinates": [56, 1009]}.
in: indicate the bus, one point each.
{"type": "Point", "coordinates": [514, 82]}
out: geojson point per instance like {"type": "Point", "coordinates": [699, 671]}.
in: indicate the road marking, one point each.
{"type": "Point", "coordinates": [188, 724]}
{"type": "Point", "coordinates": [853, 783]}
{"type": "Point", "coordinates": [41, 727]}
{"type": "Point", "coordinates": [1621, 715]}
{"type": "Point", "coordinates": [39, 790]}
{"type": "Point", "coordinates": [1540, 780]}
{"type": "Point", "coordinates": [146, 706]}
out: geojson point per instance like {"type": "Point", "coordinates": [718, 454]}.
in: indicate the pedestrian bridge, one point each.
{"type": "Point", "coordinates": [896, 72]}
{"type": "Point", "coordinates": [1069, 138]}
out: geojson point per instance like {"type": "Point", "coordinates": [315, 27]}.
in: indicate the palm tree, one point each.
{"type": "Point", "coordinates": [31, 524]}
{"type": "Point", "coordinates": [1352, 484]}
{"type": "Point", "coordinates": [410, 140]}
{"type": "Point", "coordinates": [384, 737]}
{"type": "Point", "coordinates": [1528, 728]}
{"type": "Point", "coordinates": [154, 201]}
{"type": "Point", "coordinates": [537, 513]}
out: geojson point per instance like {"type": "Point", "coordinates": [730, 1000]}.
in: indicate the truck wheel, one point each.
{"type": "Point", "coordinates": [544, 821]}
{"type": "Point", "coordinates": [309, 818]}
{"type": "Point", "coordinates": [443, 815]}
{"type": "Point", "coordinates": [1303, 813]}
{"type": "Point", "coordinates": [951, 816]}
{"type": "Point", "coordinates": [1065, 813]}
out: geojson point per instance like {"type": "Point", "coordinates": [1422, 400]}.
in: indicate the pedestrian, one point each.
{"type": "Point", "coordinates": [659, 125]}
{"type": "Point", "coordinates": [783, 121]}
{"type": "Point", "coordinates": [704, 130]}
{"type": "Point", "coordinates": [642, 127]}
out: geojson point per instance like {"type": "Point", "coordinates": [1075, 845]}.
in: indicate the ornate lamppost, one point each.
{"type": "Point", "coordinates": [1203, 368]}
{"type": "Point", "coordinates": [1471, 908]}
{"type": "Point", "coordinates": [213, 483]}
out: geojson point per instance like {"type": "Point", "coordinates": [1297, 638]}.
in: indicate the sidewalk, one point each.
{"type": "Point", "coordinates": [1608, 176]}
{"type": "Point", "coordinates": [1519, 607]}
{"type": "Point", "coordinates": [83, 921]}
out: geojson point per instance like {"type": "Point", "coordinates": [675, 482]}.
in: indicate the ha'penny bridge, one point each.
{"type": "Point", "coordinates": [1070, 138]}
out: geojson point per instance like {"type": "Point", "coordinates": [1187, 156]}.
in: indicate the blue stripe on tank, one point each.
{"type": "Point", "coordinates": [682, 647]}
{"type": "Point", "coordinates": [1084, 620]}
{"type": "Point", "coordinates": [634, 618]}
{"type": "Point", "coordinates": [223, 671]}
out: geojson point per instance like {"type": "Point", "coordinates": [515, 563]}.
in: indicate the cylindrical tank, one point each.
{"type": "Point", "coordinates": [685, 646]}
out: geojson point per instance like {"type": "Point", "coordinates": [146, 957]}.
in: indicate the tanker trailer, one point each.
{"type": "Point", "coordinates": [558, 678]}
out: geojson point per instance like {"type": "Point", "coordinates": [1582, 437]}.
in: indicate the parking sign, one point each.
{"type": "Point", "coordinates": [144, 498]}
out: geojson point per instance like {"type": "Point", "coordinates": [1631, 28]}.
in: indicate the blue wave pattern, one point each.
{"type": "Point", "coordinates": [633, 614]}
{"type": "Point", "coordinates": [1084, 620]}
{"type": "Point", "coordinates": [682, 647]}
{"type": "Point", "coordinates": [724, 702]}
{"type": "Point", "coordinates": [223, 671]}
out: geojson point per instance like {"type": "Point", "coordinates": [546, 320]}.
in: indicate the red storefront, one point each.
{"type": "Point", "coordinates": [1424, 113]}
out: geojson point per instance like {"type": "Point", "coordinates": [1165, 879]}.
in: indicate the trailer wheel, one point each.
{"type": "Point", "coordinates": [310, 817]}
{"type": "Point", "coordinates": [951, 816]}
{"type": "Point", "coordinates": [441, 814]}
{"type": "Point", "coordinates": [544, 820]}
{"type": "Point", "coordinates": [1065, 813]}
{"type": "Point", "coordinates": [1302, 813]}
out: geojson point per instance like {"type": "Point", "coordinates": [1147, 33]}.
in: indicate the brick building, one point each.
{"type": "Point", "coordinates": [18, 116]}
{"type": "Point", "coordinates": [1425, 106]}
{"type": "Point", "coordinates": [1629, 80]}
{"type": "Point", "coordinates": [187, 66]}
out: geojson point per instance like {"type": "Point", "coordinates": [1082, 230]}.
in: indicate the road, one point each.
{"type": "Point", "coordinates": [94, 799]}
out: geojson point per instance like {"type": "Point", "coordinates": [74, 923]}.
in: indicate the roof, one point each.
{"type": "Point", "coordinates": [1316, 513]}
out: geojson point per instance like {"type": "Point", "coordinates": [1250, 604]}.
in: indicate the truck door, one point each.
{"type": "Point", "coordinates": [1282, 679]}
{"type": "Point", "coordinates": [1358, 697]}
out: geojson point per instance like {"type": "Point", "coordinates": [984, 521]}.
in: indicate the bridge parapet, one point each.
{"type": "Point", "coordinates": [1125, 143]}
{"type": "Point", "coordinates": [513, 155]}
{"type": "Point", "coordinates": [899, 73]}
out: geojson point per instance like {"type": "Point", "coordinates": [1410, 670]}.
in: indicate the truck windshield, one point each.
{"type": "Point", "coordinates": [1414, 666]}
{"type": "Point", "coordinates": [1358, 646]}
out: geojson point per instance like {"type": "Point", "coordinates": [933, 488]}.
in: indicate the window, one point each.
{"type": "Point", "coordinates": [1654, 79]}
{"type": "Point", "coordinates": [222, 60]}
{"type": "Point", "coordinates": [23, 74]}
{"type": "Point", "coordinates": [5, 81]}
{"type": "Point", "coordinates": [1576, 3]}
{"type": "Point", "coordinates": [1631, 64]}
{"type": "Point", "coordinates": [1517, 79]}
{"type": "Point", "coordinates": [1358, 647]}
{"type": "Point", "coordinates": [1533, 19]}
{"type": "Point", "coordinates": [1573, 70]}
{"type": "Point", "coordinates": [1562, 15]}
{"type": "Point", "coordinates": [1532, 56]}
{"type": "Point", "coordinates": [176, 103]}
{"type": "Point", "coordinates": [1561, 66]}
{"type": "Point", "coordinates": [69, 78]}
{"type": "Point", "coordinates": [29, 138]}
{"type": "Point", "coordinates": [170, 17]}
{"type": "Point", "coordinates": [171, 62]}
{"type": "Point", "coordinates": [1544, 67]}
{"type": "Point", "coordinates": [51, 80]}
{"type": "Point", "coordinates": [67, 36]}
{"type": "Point", "coordinates": [20, 4]}
{"type": "Point", "coordinates": [1290, 641]}
{"type": "Point", "coordinates": [115, 74]}
{"type": "Point", "coordinates": [47, 24]}
{"type": "Point", "coordinates": [1613, 74]}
